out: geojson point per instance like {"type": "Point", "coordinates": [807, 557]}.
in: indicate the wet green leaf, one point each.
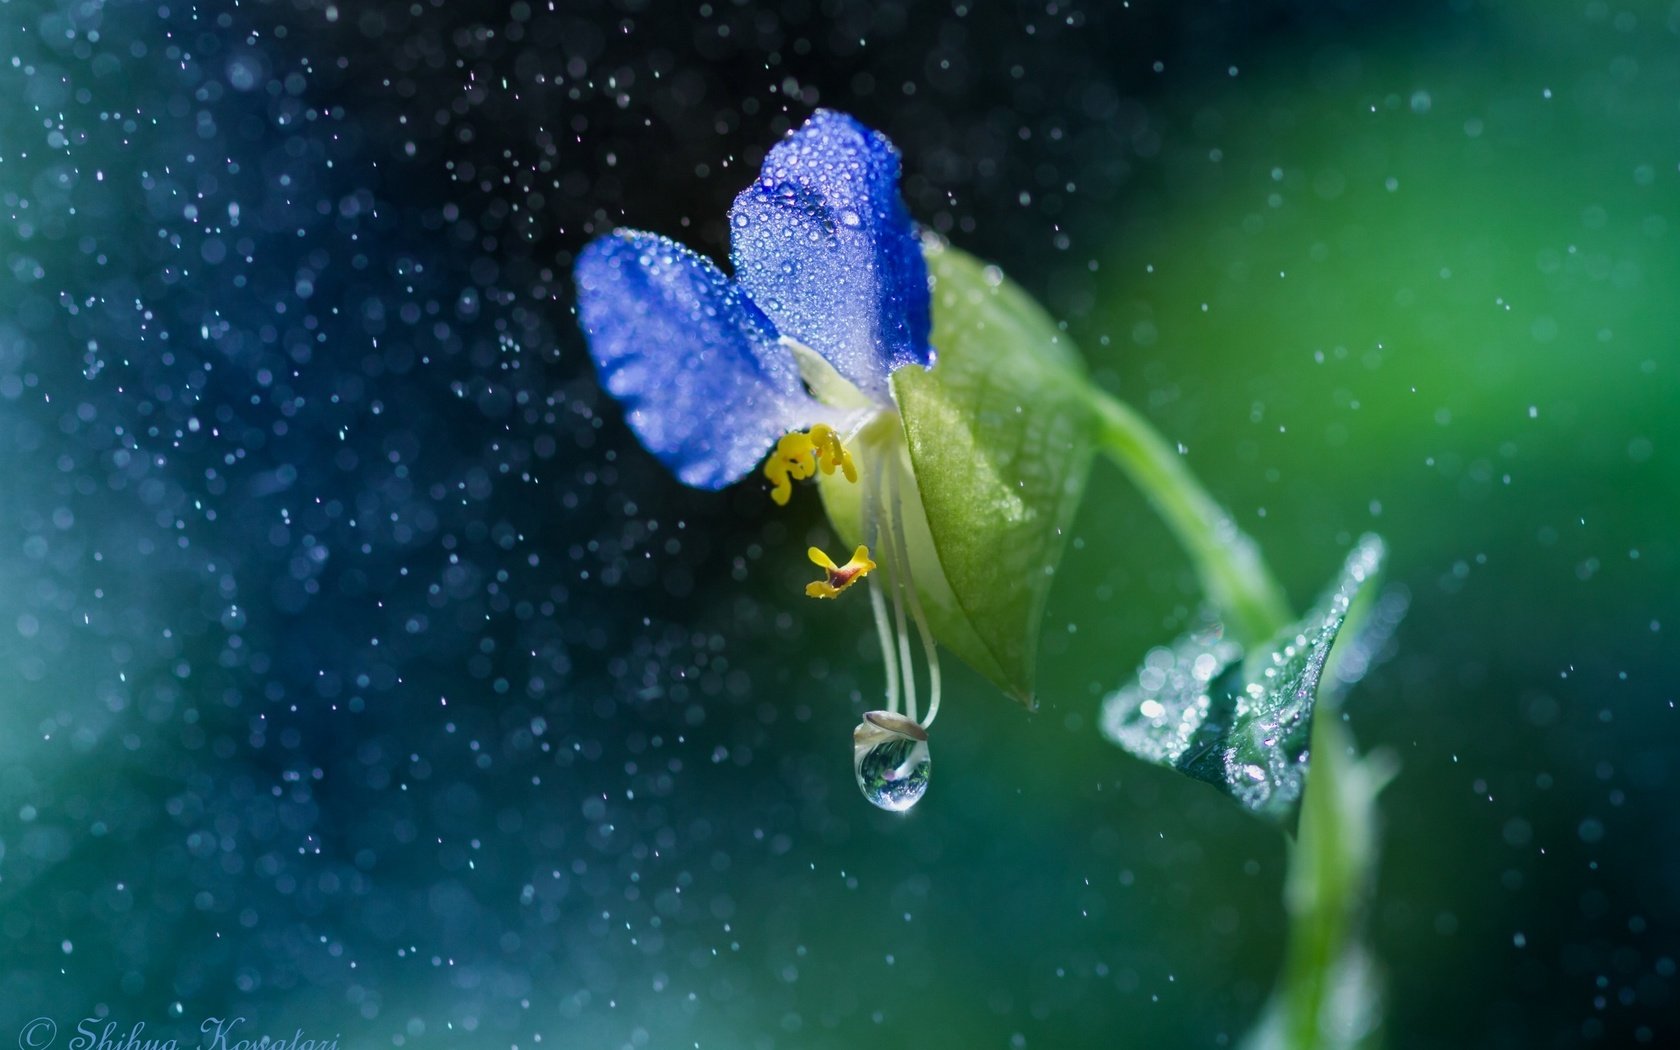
{"type": "Point", "coordinates": [1000, 437]}
{"type": "Point", "coordinates": [1242, 724]}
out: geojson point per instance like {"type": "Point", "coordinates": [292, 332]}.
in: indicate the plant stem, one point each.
{"type": "Point", "coordinates": [1234, 576]}
{"type": "Point", "coordinates": [1326, 997]}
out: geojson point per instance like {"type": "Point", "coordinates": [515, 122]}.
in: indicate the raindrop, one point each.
{"type": "Point", "coordinates": [890, 757]}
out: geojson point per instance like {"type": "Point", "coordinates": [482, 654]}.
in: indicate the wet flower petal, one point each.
{"type": "Point", "coordinates": [704, 381]}
{"type": "Point", "coordinates": [823, 244]}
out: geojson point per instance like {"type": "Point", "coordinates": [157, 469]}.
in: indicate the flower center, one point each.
{"type": "Point", "coordinates": [883, 511]}
{"type": "Point", "coordinates": [800, 454]}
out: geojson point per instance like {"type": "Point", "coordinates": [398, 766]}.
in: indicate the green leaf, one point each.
{"type": "Point", "coordinates": [1245, 725]}
{"type": "Point", "coordinates": [1000, 434]}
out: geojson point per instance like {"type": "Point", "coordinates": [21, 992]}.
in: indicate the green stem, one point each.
{"type": "Point", "coordinates": [1234, 576]}
{"type": "Point", "coordinates": [1325, 998]}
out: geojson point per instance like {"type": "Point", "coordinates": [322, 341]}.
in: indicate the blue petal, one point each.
{"type": "Point", "coordinates": [824, 245]}
{"type": "Point", "coordinates": [704, 381]}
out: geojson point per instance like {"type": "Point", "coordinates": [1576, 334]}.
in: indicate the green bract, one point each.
{"type": "Point", "coordinates": [999, 437]}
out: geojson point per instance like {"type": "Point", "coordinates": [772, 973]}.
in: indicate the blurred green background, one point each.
{"type": "Point", "coordinates": [363, 676]}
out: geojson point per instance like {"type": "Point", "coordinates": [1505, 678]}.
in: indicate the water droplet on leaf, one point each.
{"type": "Point", "coordinates": [890, 757]}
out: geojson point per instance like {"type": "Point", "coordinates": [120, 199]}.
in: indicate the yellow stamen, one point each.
{"type": "Point", "coordinates": [839, 576]}
{"type": "Point", "coordinates": [800, 454]}
{"type": "Point", "coordinates": [831, 454]}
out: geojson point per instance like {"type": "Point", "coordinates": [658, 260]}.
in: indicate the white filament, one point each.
{"type": "Point", "coordinates": [877, 599]}
{"type": "Point", "coordinates": [907, 582]}
{"type": "Point", "coordinates": [883, 515]}
{"type": "Point", "coordinates": [900, 624]}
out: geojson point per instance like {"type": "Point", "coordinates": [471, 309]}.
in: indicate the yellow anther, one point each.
{"type": "Point", "coordinates": [831, 454]}
{"type": "Point", "coordinates": [800, 454]}
{"type": "Point", "coordinates": [794, 458]}
{"type": "Point", "coordinates": [839, 576]}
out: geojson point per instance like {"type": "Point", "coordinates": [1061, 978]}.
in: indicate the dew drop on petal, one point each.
{"type": "Point", "coordinates": [890, 758]}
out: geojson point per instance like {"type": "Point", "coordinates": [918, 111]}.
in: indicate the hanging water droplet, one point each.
{"type": "Point", "coordinates": [890, 758]}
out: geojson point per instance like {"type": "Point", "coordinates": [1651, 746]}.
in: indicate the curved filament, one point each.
{"type": "Point", "coordinates": [907, 583]}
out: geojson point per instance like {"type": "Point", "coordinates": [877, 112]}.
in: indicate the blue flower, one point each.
{"type": "Point", "coordinates": [824, 255]}
{"type": "Point", "coordinates": [791, 357]}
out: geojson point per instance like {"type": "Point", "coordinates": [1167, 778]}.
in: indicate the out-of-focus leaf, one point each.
{"type": "Point", "coordinates": [1242, 724]}
{"type": "Point", "coordinates": [1000, 437]}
